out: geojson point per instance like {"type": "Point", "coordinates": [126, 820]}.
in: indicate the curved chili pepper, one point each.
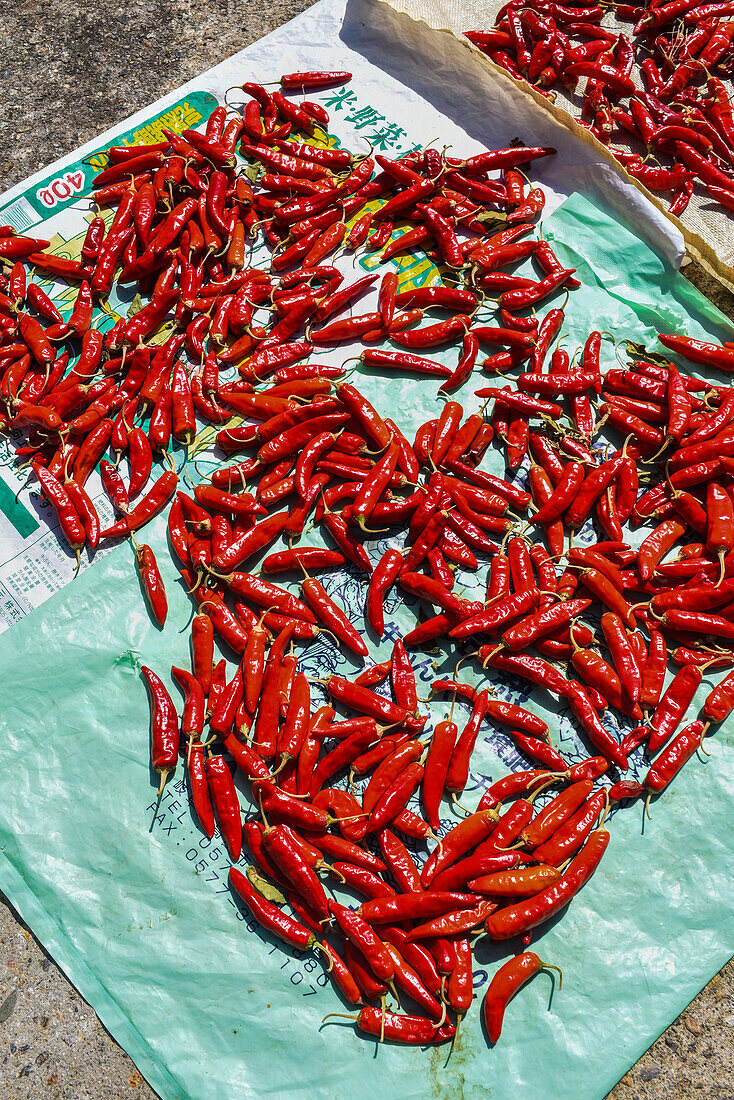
{"type": "Point", "coordinates": [266, 726]}
{"type": "Point", "coordinates": [511, 977]}
{"type": "Point", "coordinates": [384, 575]}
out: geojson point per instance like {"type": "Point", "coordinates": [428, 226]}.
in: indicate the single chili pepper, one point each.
{"type": "Point", "coordinates": [345, 752]}
{"type": "Point", "coordinates": [373, 486]}
{"type": "Point", "coordinates": [270, 916]}
{"type": "Point", "coordinates": [223, 713]}
{"type": "Point", "coordinates": [377, 674]}
{"type": "Point", "coordinates": [287, 854]}
{"type": "Point", "coordinates": [400, 862]}
{"type": "Point", "coordinates": [199, 788]}
{"type": "Point", "coordinates": [623, 656]}
{"type": "Point", "coordinates": [361, 936]}
{"type": "Point", "coordinates": [657, 544]}
{"type": "Point", "coordinates": [85, 510]}
{"type": "Point", "coordinates": [540, 623]}
{"type": "Point", "coordinates": [505, 610]}
{"type": "Point", "coordinates": [552, 816]}
{"type": "Point", "coordinates": [626, 788]}
{"type": "Point", "coordinates": [251, 542]}
{"type": "Point", "coordinates": [720, 523]}
{"type": "Point", "coordinates": [434, 335]}
{"type": "Point", "coordinates": [58, 496]}
{"type": "Point", "coordinates": [504, 985]}
{"type": "Point", "coordinates": [684, 655]}
{"type": "Point", "coordinates": [673, 705]}
{"type": "Point", "coordinates": [453, 923]}
{"type": "Point", "coordinates": [521, 883]}
{"type": "Point", "coordinates": [152, 582]}
{"type": "Point", "coordinates": [163, 727]}
{"type": "Point", "coordinates": [192, 719]}
{"type": "Point", "coordinates": [403, 678]}
{"type": "Point", "coordinates": [414, 1030]}
{"type": "Point", "coordinates": [667, 765]}
{"type": "Point", "coordinates": [341, 976]}
{"type": "Point", "coordinates": [588, 718]}
{"type": "Point", "coordinates": [437, 765]}
{"type": "Point", "coordinates": [384, 575]}
{"type": "Point", "coordinates": [390, 807]}
{"type": "Point", "coordinates": [410, 982]}
{"type": "Point", "coordinates": [114, 486]}
{"type": "Point", "coordinates": [429, 589]}
{"type": "Point", "coordinates": [720, 701]}
{"type": "Point", "coordinates": [601, 587]}
{"type": "Point", "coordinates": [293, 733]}
{"type": "Point", "coordinates": [398, 360]}
{"type": "Point", "coordinates": [332, 616]}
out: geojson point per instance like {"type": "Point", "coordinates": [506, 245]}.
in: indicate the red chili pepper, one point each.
{"type": "Point", "coordinates": [163, 727]}
{"type": "Point", "coordinates": [199, 788]}
{"type": "Point", "coordinates": [149, 506]}
{"type": "Point", "coordinates": [85, 510]}
{"type": "Point", "coordinates": [332, 616]}
{"type": "Point", "coordinates": [511, 977]}
{"type": "Point", "coordinates": [516, 919]}
{"type": "Point", "coordinates": [58, 496]}
{"type": "Point", "coordinates": [437, 764]}
{"type": "Point", "coordinates": [359, 933]}
{"type": "Point", "coordinates": [673, 705]}
{"type": "Point", "coordinates": [385, 574]}
{"type": "Point", "coordinates": [415, 1030]}
{"type": "Point", "coordinates": [272, 918]}
{"type": "Point", "coordinates": [667, 765]}
{"type": "Point", "coordinates": [152, 582]}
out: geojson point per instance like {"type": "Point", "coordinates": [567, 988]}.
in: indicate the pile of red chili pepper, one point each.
{"type": "Point", "coordinates": [666, 89]}
{"type": "Point", "coordinates": [232, 343]}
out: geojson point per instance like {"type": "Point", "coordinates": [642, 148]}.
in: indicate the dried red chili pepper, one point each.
{"type": "Point", "coordinates": [505, 984]}
{"type": "Point", "coordinates": [163, 727]}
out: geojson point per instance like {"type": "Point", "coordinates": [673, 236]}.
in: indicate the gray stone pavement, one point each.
{"type": "Point", "coordinates": [68, 70]}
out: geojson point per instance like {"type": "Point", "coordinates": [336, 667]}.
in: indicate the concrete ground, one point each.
{"type": "Point", "coordinates": [68, 70]}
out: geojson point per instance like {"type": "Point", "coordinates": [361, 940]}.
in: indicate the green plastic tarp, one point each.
{"type": "Point", "coordinates": [137, 911]}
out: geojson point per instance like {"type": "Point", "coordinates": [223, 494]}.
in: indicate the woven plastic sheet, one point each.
{"type": "Point", "coordinates": [708, 226]}
{"type": "Point", "coordinates": [141, 918]}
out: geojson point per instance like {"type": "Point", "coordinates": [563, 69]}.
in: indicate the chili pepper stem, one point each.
{"type": "Point", "coordinates": [722, 555]}
{"type": "Point", "coordinates": [552, 966]}
{"type": "Point", "coordinates": [339, 1016]}
{"type": "Point", "coordinates": [455, 802]}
